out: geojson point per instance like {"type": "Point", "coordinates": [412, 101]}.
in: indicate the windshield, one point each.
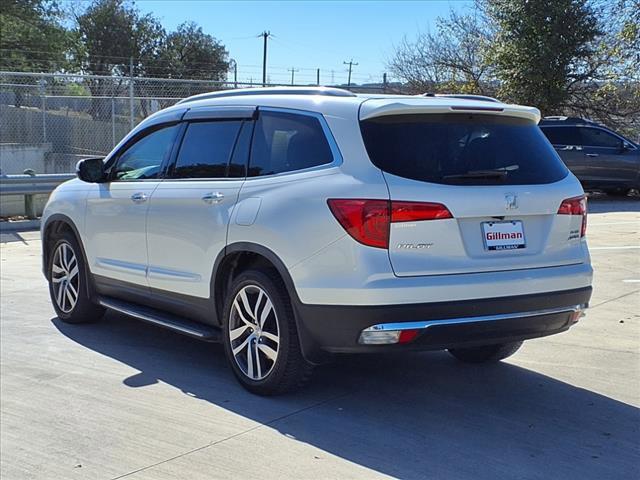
{"type": "Point", "coordinates": [467, 149]}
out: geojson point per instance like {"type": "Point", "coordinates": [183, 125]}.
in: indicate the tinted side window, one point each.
{"type": "Point", "coordinates": [594, 137]}
{"type": "Point", "coordinates": [284, 142]}
{"type": "Point", "coordinates": [240, 157]}
{"type": "Point", "coordinates": [562, 135]}
{"type": "Point", "coordinates": [206, 149]}
{"type": "Point", "coordinates": [143, 159]}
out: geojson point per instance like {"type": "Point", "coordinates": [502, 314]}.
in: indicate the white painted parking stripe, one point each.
{"type": "Point", "coordinates": [598, 224]}
{"type": "Point", "coordinates": [632, 280]}
{"type": "Point", "coordinates": [624, 247]}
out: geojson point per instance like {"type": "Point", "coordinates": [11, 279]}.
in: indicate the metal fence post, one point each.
{"type": "Point", "coordinates": [113, 121]}
{"type": "Point", "coordinates": [29, 204]}
{"type": "Point", "coordinates": [131, 92]}
{"type": "Point", "coordinates": [43, 107]}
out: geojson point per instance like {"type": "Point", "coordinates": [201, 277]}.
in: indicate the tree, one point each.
{"type": "Point", "coordinates": [112, 32]}
{"type": "Point", "coordinates": [577, 57]}
{"type": "Point", "coordinates": [538, 46]}
{"type": "Point", "coordinates": [451, 60]}
{"type": "Point", "coordinates": [606, 86]}
{"type": "Point", "coordinates": [190, 53]}
{"type": "Point", "coordinates": [32, 37]}
{"type": "Point", "coordinates": [115, 40]}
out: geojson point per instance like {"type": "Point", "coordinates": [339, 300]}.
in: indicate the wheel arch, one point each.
{"type": "Point", "coordinates": [241, 255]}
{"type": "Point", "coordinates": [55, 224]}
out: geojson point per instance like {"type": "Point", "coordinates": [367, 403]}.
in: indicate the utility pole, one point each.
{"type": "Point", "coordinates": [235, 72]}
{"type": "Point", "coordinates": [384, 83]}
{"type": "Point", "coordinates": [293, 71]}
{"type": "Point", "coordinates": [265, 35]}
{"type": "Point", "coordinates": [333, 77]}
{"type": "Point", "coordinates": [318, 77]}
{"type": "Point", "coordinates": [351, 64]}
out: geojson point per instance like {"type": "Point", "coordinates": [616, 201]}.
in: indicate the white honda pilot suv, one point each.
{"type": "Point", "coordinates": [291, 224]}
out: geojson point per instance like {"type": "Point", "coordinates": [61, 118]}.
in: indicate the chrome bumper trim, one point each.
{"type": "Point", "coordinates": [420, 325]}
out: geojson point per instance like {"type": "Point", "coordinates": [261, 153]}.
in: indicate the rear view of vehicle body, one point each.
{"type": "Point", "coordinates": [295, 224]}
{"type": "Point", "coordinates": [601, 158]}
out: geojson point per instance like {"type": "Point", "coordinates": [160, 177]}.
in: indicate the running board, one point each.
{"type": "Point", "coordinates": [163, 319]}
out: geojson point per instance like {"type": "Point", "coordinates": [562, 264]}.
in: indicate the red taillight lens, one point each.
{"type": "Point", "coordinates": [365, 220]}
{"type": "Point", "coordinates": [417, 211]}
{"type": "Point", "coordinates": [368, 221]}
{"type": "Point", "coordinates": [575, 206]}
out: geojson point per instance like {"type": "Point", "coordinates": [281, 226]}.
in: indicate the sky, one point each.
{"type": "Point", "coordinates": [307, 34]}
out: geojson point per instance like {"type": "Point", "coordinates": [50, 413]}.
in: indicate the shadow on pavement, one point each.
{"type": "Point", "coordinates": [413, 416]}
{"type": "Point", "coordinates": [8, 237]}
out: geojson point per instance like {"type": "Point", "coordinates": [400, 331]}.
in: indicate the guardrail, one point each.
{"type": "Point", "coordinates": [31, 184]}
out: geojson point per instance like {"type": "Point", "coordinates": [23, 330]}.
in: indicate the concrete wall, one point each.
{"type": "Point", "coordinates": [13, 205]}
{"type": "Point", "coordinates": [15, 158]}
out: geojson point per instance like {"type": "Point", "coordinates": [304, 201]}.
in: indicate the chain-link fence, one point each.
{"type": "Point", "coordinates": [49, 121]}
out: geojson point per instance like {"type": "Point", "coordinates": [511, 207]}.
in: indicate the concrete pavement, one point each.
{"type": "Point", "coordinates": [122, 399]}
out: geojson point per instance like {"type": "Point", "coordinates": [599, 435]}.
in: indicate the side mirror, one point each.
{"type": "Point", "coordinates": [91, 170]}
{"type": "Point", "coordinates": [626, 146]}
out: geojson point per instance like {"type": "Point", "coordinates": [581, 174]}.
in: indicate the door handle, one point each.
{"type": "Point", "coordinates": [592, 155]}
{"type": "Point", "coordinates": [139, 197]}
{"type": "Point", "coordinates": [213, 197]}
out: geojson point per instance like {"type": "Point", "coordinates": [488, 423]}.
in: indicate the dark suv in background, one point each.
{"type": "Point", "coordinates": [601, 158]}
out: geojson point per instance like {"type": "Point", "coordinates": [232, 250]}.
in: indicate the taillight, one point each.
{"type": "Point", "coordinates": [417, 211]}
{"type": "Point", "coordinates": [365, 220]}
{"type": "Point", "coordinates": [368, 221]}
{"type": "Point", "coordinates": [575, 206]}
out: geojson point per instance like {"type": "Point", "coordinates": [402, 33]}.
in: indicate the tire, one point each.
{"type": "Point", "coordinates": [486, 354]}
{"type": "Point", "coordinates": [68, 281]}
{"type": "Point", "coordinates": [268, 359]}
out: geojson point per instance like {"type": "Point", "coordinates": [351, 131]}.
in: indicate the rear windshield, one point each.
{"type": "Point", "coordinates": [462, 149]}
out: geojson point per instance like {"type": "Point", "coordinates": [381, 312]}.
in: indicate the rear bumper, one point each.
{"type": "Point", "coordinates": [337, 329]}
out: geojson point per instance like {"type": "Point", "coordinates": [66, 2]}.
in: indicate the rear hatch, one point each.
{"type": "Point", "coordinates": [492, 168]}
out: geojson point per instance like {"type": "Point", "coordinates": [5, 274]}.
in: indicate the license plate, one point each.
{"type": "Point", "coordinates": [503, 235]}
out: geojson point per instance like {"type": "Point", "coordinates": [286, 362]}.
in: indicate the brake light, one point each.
{"type": "Point", "coordinates": [368, 221]}
{"type": "Point", "coordinates": [365, 220]}
{"type": "Point", "coordinates": [575, 206]}
{"type": "Point", "coordinates": [417, 211]}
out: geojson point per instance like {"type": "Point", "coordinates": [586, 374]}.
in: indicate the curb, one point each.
{"type": "Point", "coordinates": [20, 226]}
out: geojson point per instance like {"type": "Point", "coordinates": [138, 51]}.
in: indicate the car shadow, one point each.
{"type": "Point", "coordinates": [414, 416]}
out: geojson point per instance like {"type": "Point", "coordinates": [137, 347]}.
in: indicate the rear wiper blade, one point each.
{"type": "Point", "coordinates": [478, 174]}
{"type": "Point", "coordinates": [494, 173]}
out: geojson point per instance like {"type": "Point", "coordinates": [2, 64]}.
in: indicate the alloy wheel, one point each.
{"type": "Point", "coordinates": [254, 333]}
{"type": "Point", "coordinates": [65, 277]}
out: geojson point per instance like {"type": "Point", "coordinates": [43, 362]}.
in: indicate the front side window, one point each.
{"type": "Point", "coordinates": [594, 137]}
{"type": "Point", "coordinates": [143, 159]}
{"type": "Point", "coordinates": [206, 149]}
{"type": "Point", "coordinates": [285, 142]}
{"type": "Point", "coordinates": [562, 135]}
{"type": "Point", "coordinates": [469, 149]}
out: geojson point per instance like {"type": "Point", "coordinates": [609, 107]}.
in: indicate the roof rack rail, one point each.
{"type": "Point", "coordinates": [463, 96]}
{"type": "Point", "coordinates": [326, 91]}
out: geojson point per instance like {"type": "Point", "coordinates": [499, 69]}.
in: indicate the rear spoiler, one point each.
{"type": "Point", "coordinates": [372, 108]}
